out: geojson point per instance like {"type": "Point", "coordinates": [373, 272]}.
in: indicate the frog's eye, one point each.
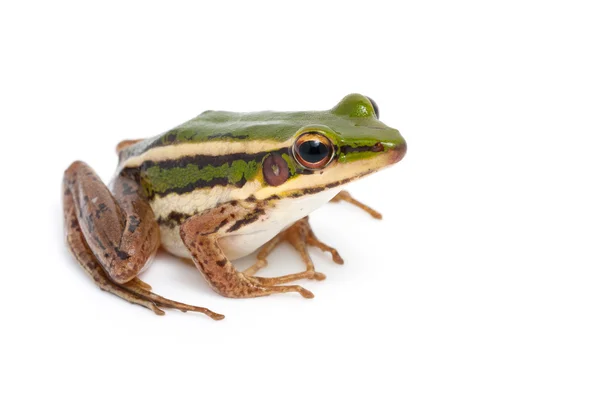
{"type": "Point", "coordinates": [375, 107]}
{"type": "Point", "coordinates": [313, 150]}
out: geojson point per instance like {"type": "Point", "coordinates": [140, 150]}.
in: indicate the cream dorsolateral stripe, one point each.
{"type": "Point", "coordinates": [211, 148]}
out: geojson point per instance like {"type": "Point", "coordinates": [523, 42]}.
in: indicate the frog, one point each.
{"type": "Point", "coordinates": [220, 187]}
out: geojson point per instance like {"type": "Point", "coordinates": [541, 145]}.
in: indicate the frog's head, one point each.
{"type": "Point", "coordinates": [332, 148]}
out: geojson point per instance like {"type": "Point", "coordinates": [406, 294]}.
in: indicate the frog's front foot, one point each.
{"type": "Point", "coordinates": [301, 236]}
{"type": "Point", "coordinates": [345, 196]}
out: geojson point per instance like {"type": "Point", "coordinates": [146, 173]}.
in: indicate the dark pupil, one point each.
{"type": "Point", "coordinates": [313, 151]}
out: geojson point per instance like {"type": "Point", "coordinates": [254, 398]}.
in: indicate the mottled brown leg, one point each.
{"type": "Point", "coordinates": [345, 196]}
{"type": "Point", "coordinates": [93, 218]}
{"type": "Point", "coordinates": [201, 233]}
{"type": "Point", "coordinates": [88, 262]}
{"type": "Point", "coordinates": [119, 229]}
{"type": "Point", "coordinates": [137, 282]}
{"type": "Point", "coordinates": [300, 235]}
{"type": "Point", "coordinates": [141, 288]}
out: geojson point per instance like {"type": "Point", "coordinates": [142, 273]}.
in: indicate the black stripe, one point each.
{"type": "Point", "coordinates": [318, 189]}
{"type": "Point", "coordinates": [227, 135]}
{"type": "Point", "coordinates": [250, 218]}
{"type": "Point", "coordinates": [376, 148]}
{"type": "Point", "coordinates": [173, 219]}
{"type": "Point", "coordinates": [199, 184]}
{"type": "Point", "coordinates": [202, 160]}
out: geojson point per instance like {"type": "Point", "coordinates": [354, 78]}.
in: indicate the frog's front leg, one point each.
{"type": "Point", "coordinates": [301, 236]}
{"type": "Point", "coordinates": [113, 237]}
{"type": "Point", "coordinates": [345, 196]}
{"type": "Point", "coordinates": [201, 234]}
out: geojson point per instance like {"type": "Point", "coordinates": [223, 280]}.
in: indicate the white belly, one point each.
{"type": "Point", "coordinates": [251, 237]}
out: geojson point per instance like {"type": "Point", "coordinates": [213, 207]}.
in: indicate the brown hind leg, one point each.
{"type": "Point", "coordinates": [113, 237]}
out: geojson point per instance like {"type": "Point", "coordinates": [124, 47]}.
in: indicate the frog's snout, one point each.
{"type": "Point", "coordinates": [397, 152]}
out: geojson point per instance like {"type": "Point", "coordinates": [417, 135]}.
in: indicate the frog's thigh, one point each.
{"type": "Point", "coordinates": [134, 291]}
{"type": "Point", "coordinates": [120, 230]}
{"type": "Point", "coordinates": [201, 233]}
{"type": "Point", "coordinates": [88, 262]}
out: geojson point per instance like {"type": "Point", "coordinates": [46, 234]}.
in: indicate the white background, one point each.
{"type": "Point", "coordinates": [481, 282]}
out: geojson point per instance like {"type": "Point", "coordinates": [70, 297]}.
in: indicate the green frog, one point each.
{"type": "Point", "coordinates": [219, 187]}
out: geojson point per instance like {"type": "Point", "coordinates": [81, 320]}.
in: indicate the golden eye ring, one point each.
{"type": "Point", "coordinates": [313, 150]}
